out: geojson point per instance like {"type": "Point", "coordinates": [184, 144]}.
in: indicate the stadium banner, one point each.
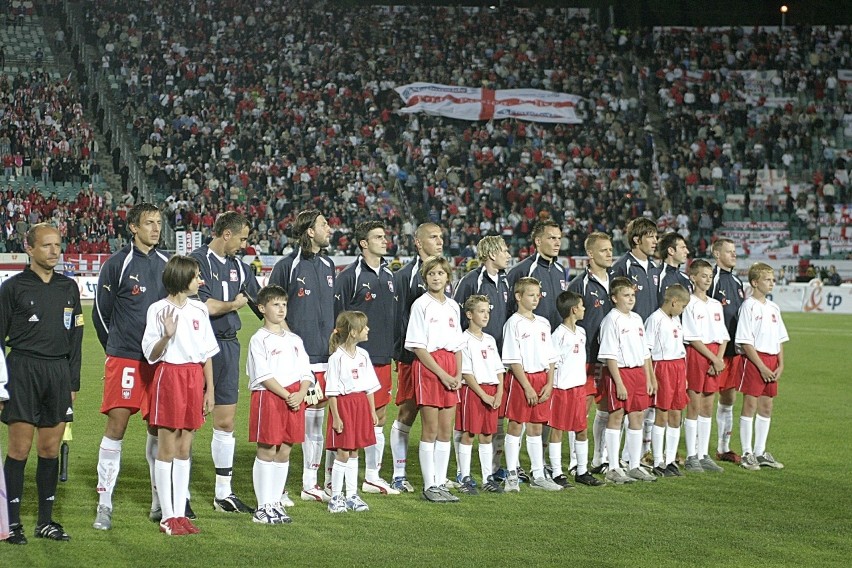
{"type": "Point", "coordinates": [470, 103]}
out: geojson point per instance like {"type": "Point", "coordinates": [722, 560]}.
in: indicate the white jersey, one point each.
{"type": "Point", "coordinates": [433, 325]}
{"type": "Point", "coordinates": [623, 339]}
{"type": "Point", "coordinates": [347, 374]}
{"type": "Point", "coordinates": [279, 356]}
{"type": "Point", "coordinates": [664, 335]}
{"type": "Point", "coordinates": [528, 343]}
{"type": "Point", "coordinates": [570, 347]}
{"type": "Point", "coordinates": [193, 341]}
{"type": "Point", "coordinates": [760, 325]}
{"type": "Point", "coordinates": [481, 359]}
{"type": "Point", "coordinates": [704, 321]}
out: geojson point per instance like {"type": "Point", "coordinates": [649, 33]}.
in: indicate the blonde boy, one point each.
{"type": "Point", "coordinates": [528, 353]}
{"type": "Point", "coordinates": [761, 335]}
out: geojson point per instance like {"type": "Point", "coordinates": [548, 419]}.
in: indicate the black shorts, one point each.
{"type": "Point", "coordinates": [226, 372]}
{"type": "Point", "coordinates": [39, 391]}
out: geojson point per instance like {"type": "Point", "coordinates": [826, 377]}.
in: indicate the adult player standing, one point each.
{"type": "Point", "coordinates": [367, 286]}
{"type": "Point", "coordinates": [41, 321]}
{"type": "Point", "coordinates": [129, 282]}
{"type": "Point", "coordinates": [429, 241]}
{"type": "Point", "coordinates": [673, 252]}
{"type": "Point", "coordinates": [228, 285]}
{"type": "Point", "coordinates": [307, 274]}
{"type": "Point", "coordinates": [593, 285]}
{"type": "Point", "coordinates": [727, 288]}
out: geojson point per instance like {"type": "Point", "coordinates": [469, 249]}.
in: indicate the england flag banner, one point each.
{"type": "Point", "coordinates": [469, 103]}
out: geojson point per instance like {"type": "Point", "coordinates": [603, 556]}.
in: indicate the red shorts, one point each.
{"type": "Point", "coordinates": [358, 432]}
{"type": "Point", "coordinates": [428, 388]}
{"type": "Point", "coordinates": [126, 383]}
{"type": "Point", "coordinates": [568, 409]}
{"type": "Point", "coordinates": [731, 376]}
{"type": "Point", "coordinates": [752, 383]}
{"type": "Point", "coordinates": [637, 391]}
{"type": "Point", "coordinates": [472, 415]}
{"type": "Point", "coordinates": [272, 422]}
{"type": "Point", "coordinates": [177, 396]}
{"type": "Point", "coordinates": [516, 407]}
{"type": "Point", "coordinates": [404, 383]}
{"type": "Point", "coordinates": [671, 385]}
{"type": "Point", "coordinates": [697, 367]}
{"type": "Point", "coordinates": [594, 380]}
{"type": "Point", "coordinates": [382, 396]}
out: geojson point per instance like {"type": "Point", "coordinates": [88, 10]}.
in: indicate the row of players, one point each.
{"type": "Point", "coordinates": [132, 280]}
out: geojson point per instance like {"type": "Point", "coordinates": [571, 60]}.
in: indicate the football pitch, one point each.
{"type": "Point", "coordinates": [798, 516]}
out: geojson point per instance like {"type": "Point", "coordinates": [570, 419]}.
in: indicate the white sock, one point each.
{"type": "Point", "coordinates": [724, 425]}
{"type": "Point", "coordinates": [582, 449]}
{"type": "Point", "coordinates": [329, 461]}
{"type": "Point", "coordinates": [703, 448]}
{"type": "Point", "coordinates": [746, 425]}
{"type": "Point", "coordinates": [598, 436]}
{"type": "Point", "coordinates": [572, 452]}
{"type": "Point", "coordinates": [554, 452]}
{"type": "Point", "coordinates": [180, 485]}
{"type": "Point", "coordinates": [464, 453]}
{"type": "Point", "coordinates": [352, 477]}
{"type": "Point", "coordinates": [456, 443]}
{"type": "Point", "coordinates": [442, 460]}
{"type": "Point", "coordinates": [761, 433]}
{"type": "Point", "coordinates": [222, 448]}
{"type": "Point", "coordinates": [486, 460]}
{"type": "Point", "coordinates": [625, 451]}
{"type": "Point", "coordinates": [513, 452]}
{"type": "Point", "coordinates": [427, 463]}
{"type": "Point", "coordinates": [338, 475]}
{"type": "Point", "coordinates": [399, 447]}
{"type": "Point", "coordinates": [263, 477]}
{"type": "Point", "coordinates": [163, 475]}
{"type": "Point", "coordinates": [613, 445]}
{"type": "Point", "coordinates": [373, 455]}
{"type": "Point", "coordinates": [109, 464]}
{"type": "Point", "coordinates": [282, 470]}
{"type": "Point", "coordinates": [497, 442]}
{"type": "Point", "coordinates": [634, 441]}
{"type": "Point", "coordinates": [312, 446]}
{"type": "Point", "coordinates": [658, 436]}
{"type": "Point", "coordinates": [690, 435]}
{"type": "Point", "coordinates": [672, 441]}
{"type": "Point", "coordinates": [647, 426]}
{"type": "Point", "coordinates": [151, 447]}
{"type": "Point", "coordinates": [536, 453]}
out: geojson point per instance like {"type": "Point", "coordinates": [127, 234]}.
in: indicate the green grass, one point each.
{"type": "Point", "coordinates": [797, 516]}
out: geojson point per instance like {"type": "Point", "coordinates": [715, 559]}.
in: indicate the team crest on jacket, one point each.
{"type": "Point", "coordinates": [330, 281]}
{"type": "Point", "coordinates": [656, 280]}
{"type": "Point", "coordinates": [563, 284]}
{"type": "Point", "coordinates": [390, 286]}
{"type": "Point", "coordinates": [233, 276]}
{"type": "Point", "coordinates": [505, 296]}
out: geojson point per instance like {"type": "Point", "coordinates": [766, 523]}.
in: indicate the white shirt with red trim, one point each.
{"type": "Point", "coordinates": [528, 342]}
{"type": "Point", "coordinates": [279, 356]}
{"type": "Point", "coordinates": [481, 359]}
{"type": "Point", "coordinates": [704, 321]}
{"type": "Point", "coordinates": [193, 341]}
{"type": "Point", "coordinates": [570, 347]}
{"type": "Point", "coordinates": [434, 325]}
{"type": "Point", "coordinates": [664, 335]}
{"type": "Point", "coordinates": [350, 373]}
{"type": "Point", "coordinates": [623, 339]}
{"type": "Point", "coordinates": [760, 325]}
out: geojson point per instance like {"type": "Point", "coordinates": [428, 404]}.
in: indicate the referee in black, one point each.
{"type": "Point", "coordinates": [41, 321]}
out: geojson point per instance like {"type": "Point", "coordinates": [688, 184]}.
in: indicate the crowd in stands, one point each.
{"type": "Point", "coordinates": [270, 107]}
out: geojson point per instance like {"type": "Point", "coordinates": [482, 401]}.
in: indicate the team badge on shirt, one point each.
{"type": "Point", "coordinates": [717, 317]}
{"type": "Point", "coordinates": [563, 284]}
{"type": "Point", "coordinates": [67, 315]}
{"type": "Point", "coordinates": [453, 323]}
{"type": "Point", "coordinates": [543, 338]}
{"type": "Point", "coordinates": [196, 325]}
{"type": "Point", "coordinates": [354, 374]}
{"type": "Point", "coordinates": [390, 286]}
{"type": "Point", "coordinates": [330, 281]}
{"type": "Point", "coordinates": [485, 353]}
{"type": "Point", "coordinates": [234, 277]}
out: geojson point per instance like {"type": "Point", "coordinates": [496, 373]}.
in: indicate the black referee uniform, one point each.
{"type": "Point", "coordinates": [42, 324]}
